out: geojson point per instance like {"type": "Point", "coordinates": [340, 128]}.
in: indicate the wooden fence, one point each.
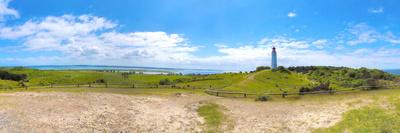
{"type": "Point", "coordinates": [109, 85]}
{"type": "Point", "coordinates": [222, 93]}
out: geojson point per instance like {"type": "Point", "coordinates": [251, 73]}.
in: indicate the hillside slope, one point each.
{"type": "Point", "coordinates": [269, 81]}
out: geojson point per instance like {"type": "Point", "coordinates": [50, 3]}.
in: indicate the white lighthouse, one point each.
{"type": "Point", "coordinates": [274, 62]}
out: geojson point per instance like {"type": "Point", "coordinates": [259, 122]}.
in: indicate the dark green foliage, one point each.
{"type": "Point", "coordinates": [320, 87]}
{"type": "Point", "coordinates": [100, 81]}
{"type": "Point", "coordinates": [372, 83]}
{"type": "Point", "coordinates": [165, 82]}
{"type": "Point", "coordinates": [125, 74]}
{"type": "Point", "coordinates": [263, 98]}
{"type": "Point", "coordinates": [281, 69]}
{"type": "Point", "coordinates": [4, 75]}
{"type": "Point", "coordinates": [260, 68]}
{"type": "Point", "coordinates": [343, 76]}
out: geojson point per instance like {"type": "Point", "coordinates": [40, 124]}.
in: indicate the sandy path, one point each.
{"type": "Point", "coordinates": [94, 112]}
{"type": "Point", "coordinates": [298, 117]}
{"type": "Point", "coordinates": [102, 112]}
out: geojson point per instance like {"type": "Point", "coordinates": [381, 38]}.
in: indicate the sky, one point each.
{"type": "Point", "coordinates": [205, 34]}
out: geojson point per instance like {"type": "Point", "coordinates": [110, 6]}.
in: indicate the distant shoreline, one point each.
{"type": "Point", "coordinates": [392, 71]}
{"type": "Point", "coordinates": [150, 70]}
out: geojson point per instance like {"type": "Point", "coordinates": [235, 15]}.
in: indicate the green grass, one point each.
{"type": "Point", "coordinates": [212, 116]}
{"type": "Point", "coordinates": [260, 82]}
{"type": "Point", "coordinates": [216, 81]}
{"type": "Point", "coordinates": [270, 82]}
{"type": "Point", "coordinates": [46, 77]}
{"type": "Point", "coordinates": [370, 119]}
{"type": "Point", "coordinates": [7, 84]}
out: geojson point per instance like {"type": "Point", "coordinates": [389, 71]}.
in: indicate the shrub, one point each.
{"type": "Point", "coordinates": [263, 98]}
{"type": "Point", "coordinates": [282, 69]}
{"type": "Point", "coordinates": [10, 76]}
{"type": "Point", "coordinates": [165, 82]}
{"type": "Point", "coordinates": [100, 81]}
{"type": "Point", "coordinates": [260, 68]}
{"type": "Point", "coordinates": [372, 83]}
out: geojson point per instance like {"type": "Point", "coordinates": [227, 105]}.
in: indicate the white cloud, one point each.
{"type": "Point", "coordinates": [363, 34]}
{"type": "Point", "coordinates": [5, 11]}
{"type": "Point", "coordinates": [390, 37]}
{"type": "Point", "coordinates": [89, 37]}
{"type": "Point", "coordinates": [321, 43]}
{"type": "Point", "coordinates": [285, 42]}
{"type": "Point", "coordinates": [376, 10]}
{"type": "Point", "coordinates": [292, 14]}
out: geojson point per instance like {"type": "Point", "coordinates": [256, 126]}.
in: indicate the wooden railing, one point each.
{"type": "Point", "coordinates": [222, 93]}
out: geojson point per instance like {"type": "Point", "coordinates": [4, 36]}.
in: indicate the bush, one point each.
{"type": "Point", "coordinates": [100, 81]}
{"type": "Point", "coordinates": [263, 98]}
{"type": "Point", "coordinates": [372, 84]}
{"type": "Point", "coordinates": [10, 76]}
{"type": "Point", "coordinates": [165, 82]}
{"type": "Point", "coordinates": [260, 68]}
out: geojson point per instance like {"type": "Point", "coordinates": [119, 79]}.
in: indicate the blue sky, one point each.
{"type": "Point", "coordinates": [218, 34]}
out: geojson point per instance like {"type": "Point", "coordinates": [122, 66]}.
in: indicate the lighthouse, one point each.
{"type": "Point", "coordinates": [274, 62]}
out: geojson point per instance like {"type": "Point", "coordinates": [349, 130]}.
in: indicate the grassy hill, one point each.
{"type": "Point", "coordinates": [271, 82]}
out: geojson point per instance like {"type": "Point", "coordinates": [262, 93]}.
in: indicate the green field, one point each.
{"type": "Point", "coordinates": [265, 81]}
{"type": "Point", "coordinates": [259, 82]}
{"type": "Point", "coordinates": [270, 82]}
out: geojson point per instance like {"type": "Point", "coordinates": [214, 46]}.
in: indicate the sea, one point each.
{"type": "Point", "coordinates": [393, 71]}
{"type": "Point", "coordinates": [145, 70]}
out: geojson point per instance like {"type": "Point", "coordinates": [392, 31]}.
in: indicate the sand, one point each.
{"type": "Point", "coordinates": [105, 112]}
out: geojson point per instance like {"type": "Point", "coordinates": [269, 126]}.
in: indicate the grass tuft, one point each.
{"type": "Point", "coordinates": [212, 116]}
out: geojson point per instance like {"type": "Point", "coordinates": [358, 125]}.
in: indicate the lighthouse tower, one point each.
{"type": "Point", "coordinates": [274, 63]}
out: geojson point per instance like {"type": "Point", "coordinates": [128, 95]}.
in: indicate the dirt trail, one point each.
{"type": "Point", "coordinates": [286, 117]}
{"type": "Point", "coordinates": [103, 112]}
{"type": "Point", "coordinates": [94, 112]}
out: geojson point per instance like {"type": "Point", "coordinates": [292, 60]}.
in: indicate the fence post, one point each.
{"type": "Point", "coordinates": [133, 85]}
{"type": "Point", "coordinates": [51, 85]}
{"type": "Point", "coordinates": [331, 91]}
{"type": "Point", "coordinates": [106, 85]}
{"type": "Point", "coordinates": [284, 94]}
{"type": "Point", "coordinates": [217, 93]}
{"type": "Point", "coordinates": [245, 95]}
{"type": "Point", "coordinates": [90, 85]}
{"type": "Point", "coordinates": [77, 85]}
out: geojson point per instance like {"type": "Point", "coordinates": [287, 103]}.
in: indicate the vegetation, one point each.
{"type": "Point", "coordinates": [343, 77]}
{"type": "Point", "coordinates": [270, 82]}
{"type": "Point", "coordinates": [263, 98]}
{"type": "Point", "coordinates": [371, 119]}
{"type": "Point", "coordinates": [4, 75]}
{"type": "Point", "coordinates": [212, 116]}
{"type": "Point", "coordinates": [260, 68]}
{"type": "Point", "coordinates": [263, 80]}
{"type": "Point", "coordinates": [8, 84]}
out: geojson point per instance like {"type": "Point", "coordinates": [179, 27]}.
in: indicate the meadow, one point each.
{"type": "Point", "coordinates": [258, 82]}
